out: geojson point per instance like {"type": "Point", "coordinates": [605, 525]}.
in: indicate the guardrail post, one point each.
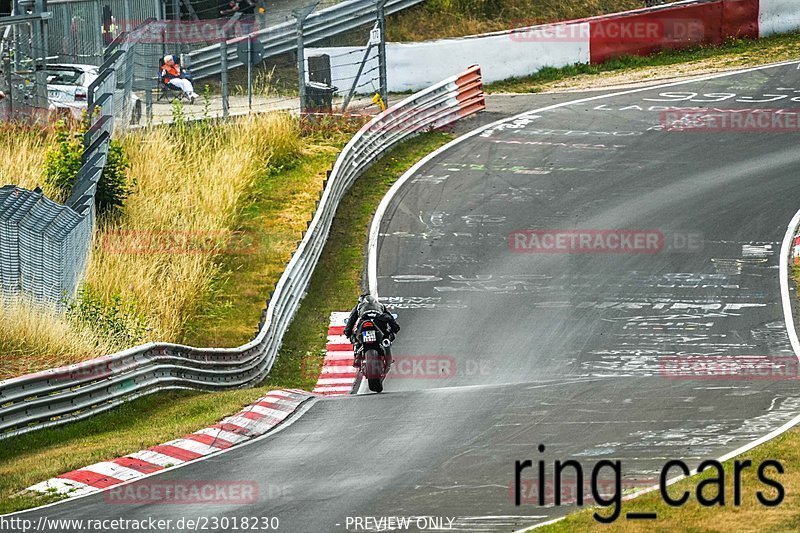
{"type": "Point", "coordinates": [382, 52]}
{"type": "Point", "coordinates": [39, 53]}
{"type": "Point", "coordinates": [130, 66]}
{"type": "Point", "coordinates": [223, 58]}
{"type": "Point", "coordinates": [223, 63]}
{"type": "Point", "coordinates": [300, 15]}
{"type": "Point", "coordinates": [10, 83]}
{"type": "Point", "coordinates": [148, 103]}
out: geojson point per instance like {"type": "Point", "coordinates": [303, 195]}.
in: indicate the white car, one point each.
{"type": "Point", "coordinates": [68, 87]}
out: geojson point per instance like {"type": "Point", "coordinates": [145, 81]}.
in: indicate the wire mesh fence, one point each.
{"type": "Point", "coordinates": [271, 82]}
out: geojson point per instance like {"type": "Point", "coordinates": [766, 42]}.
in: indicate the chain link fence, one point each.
{"type": "Point", "coordinates": [252, 76]}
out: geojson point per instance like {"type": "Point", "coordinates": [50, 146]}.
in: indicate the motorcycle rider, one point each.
{"type": "Point", "coordinates": [369, 307]}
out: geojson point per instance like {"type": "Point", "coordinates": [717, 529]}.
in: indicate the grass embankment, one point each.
{"type": "Point", "coordinates": [193, 180]}
{"type": "Point", "coordinates": [438, 19]}
{"type": "Point", "coordinates": [749, 516]}
{"type": "Point", "coordinates": [283, 205]}
{"type": "Point", "coordinates": [153, 267]}
{"type": "Point", "coordinates": [669, 64]}
{"type": "Point", "coordinates": [30, 458]}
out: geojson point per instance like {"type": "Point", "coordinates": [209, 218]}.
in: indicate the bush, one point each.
{"type": "Point", "coordinates": [115, 321]}
{"type": "Point", "coordinates": [114, 185]}
{"type": "Point", "coordinates": [63, 161]}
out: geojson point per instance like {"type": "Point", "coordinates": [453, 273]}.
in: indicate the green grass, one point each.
{"type": "Point", "coordinates": [436, 19]}
{"type": "Point", "coordinates": [34, 457]}
{"type": "Point", "coordinates": [274, 220]}
{"type": "Point", "coordinates": [731, 54]}
{"type": "Point", "coordinates": [337, 281]}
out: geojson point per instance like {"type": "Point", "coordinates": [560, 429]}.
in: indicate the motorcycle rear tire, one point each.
{"type": "Point", "coordinates": [375, 385]}
{"type": "Point", "coordinates": [373, 370]}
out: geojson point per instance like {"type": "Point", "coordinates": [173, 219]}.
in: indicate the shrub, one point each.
{"type": "Point", "coordinates": [115, 185]}
{"type": "Point", "coordinates": [114, 321]}
{"type": "Point", "coordinates": [63, 161]}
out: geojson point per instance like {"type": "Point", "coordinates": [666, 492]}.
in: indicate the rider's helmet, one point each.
{"type": "Point", "coordinates": [367, 303]}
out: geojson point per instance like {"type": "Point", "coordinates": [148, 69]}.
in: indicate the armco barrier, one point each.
{"type": "Point", "coordinates": [70, 393]}
{"type": "Point", "coordinates": [282, 38]}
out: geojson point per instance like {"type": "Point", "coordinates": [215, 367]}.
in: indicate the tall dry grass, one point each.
{"type": "Point", "coordinates": [22, 151]}
{"type": "Point", "coordinates": [35, 337]}
{"type": "Point", "coordinates": [191, 183]}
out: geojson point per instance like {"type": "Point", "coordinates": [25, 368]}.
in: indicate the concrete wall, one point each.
{"type": "Point", "coordinates": [524, 51]}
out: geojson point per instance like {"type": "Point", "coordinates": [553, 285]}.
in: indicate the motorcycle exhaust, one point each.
{"type": "Point", "coordinates": [386, 343]}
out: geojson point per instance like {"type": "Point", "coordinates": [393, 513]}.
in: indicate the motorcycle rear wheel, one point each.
{"type": "Point", "coordinates": [373, 370]}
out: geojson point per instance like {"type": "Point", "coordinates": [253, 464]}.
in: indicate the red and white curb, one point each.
{"type": "Point", "coordinates": [252, 421]}
{"type": "Point", "coordinates": [338, 376]}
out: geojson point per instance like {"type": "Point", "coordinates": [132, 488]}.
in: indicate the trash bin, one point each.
{"type": "Point", "coordinates": [319, 97]}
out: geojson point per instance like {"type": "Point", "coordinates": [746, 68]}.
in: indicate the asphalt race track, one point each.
{"type": "Point", "coordinates": [502, 351]}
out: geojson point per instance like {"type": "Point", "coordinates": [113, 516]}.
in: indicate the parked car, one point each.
{"type": "Point", "coordinates": [68, 89]}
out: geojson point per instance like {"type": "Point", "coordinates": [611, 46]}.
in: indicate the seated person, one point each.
{"type": "Point", "coordinates": [172, 75]}
{"type": "Point", "coordinates": [229, 7]}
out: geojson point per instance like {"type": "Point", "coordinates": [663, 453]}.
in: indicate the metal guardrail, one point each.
{"type": "Point", "coordinates": [282, 38]}
{"type": "Point", "coordinates": [81, 390]}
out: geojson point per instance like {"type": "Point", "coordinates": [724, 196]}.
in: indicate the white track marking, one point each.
{"type": "Point", "coordinates": [109, 469]}
{"type": "Point", "coordinates": [62, 486]}
{"type": "Point", "coordinates": [221, 434]}
{"type": "Point", "coordinates": [372, 259]}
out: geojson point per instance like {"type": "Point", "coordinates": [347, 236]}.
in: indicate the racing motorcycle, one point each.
{"type": "Point", "coordinates": [377, 359]}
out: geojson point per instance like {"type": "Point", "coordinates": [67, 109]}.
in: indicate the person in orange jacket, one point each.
{"type": "Point", "coordinates": [172, 75]}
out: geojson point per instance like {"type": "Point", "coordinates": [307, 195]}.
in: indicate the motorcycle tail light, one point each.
{"type": "Point", "coordinates": [368, 325]}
